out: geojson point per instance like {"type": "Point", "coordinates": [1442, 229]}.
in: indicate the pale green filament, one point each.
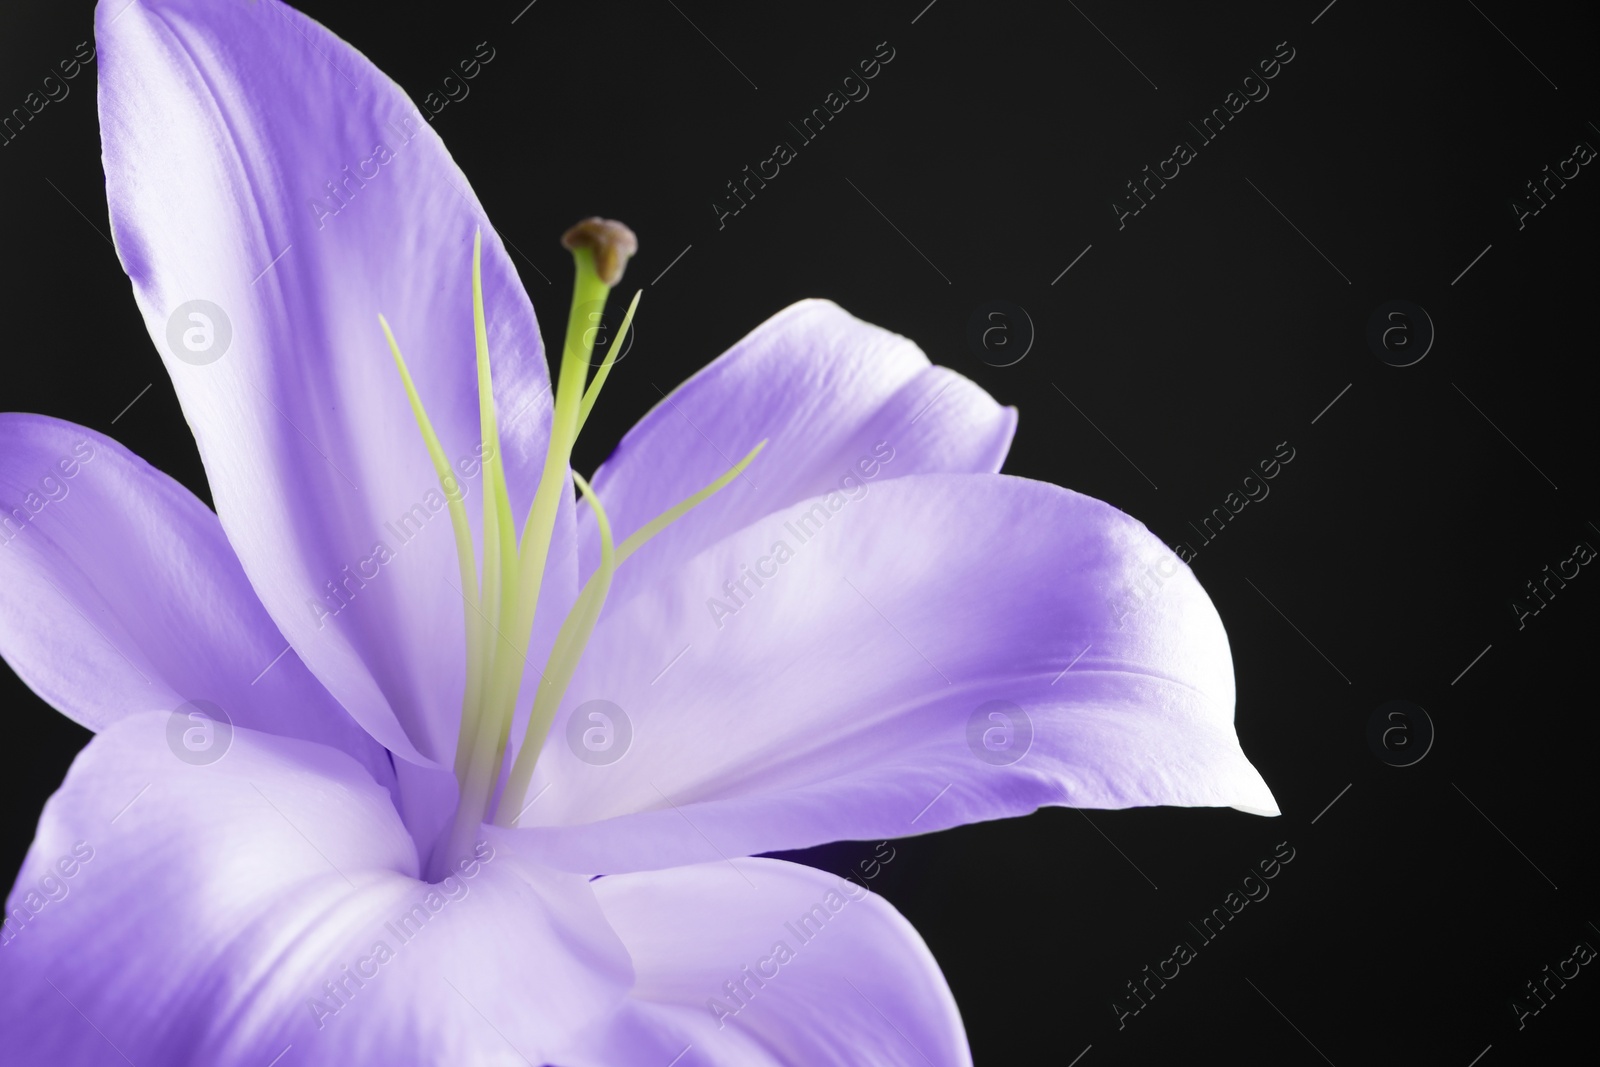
{"type": "Point", "coordinates": [637, 539]}
{"type": "Point", "coordinates": [500, 604]}
{"type": "Point", "coordinates": [580, 622]}
{"type": "Point", "coordinates": [593, 392]}
{"type": "Point", "coordinates": [564, 656]}
{"type": "Point", "coordinates": [468, 566]}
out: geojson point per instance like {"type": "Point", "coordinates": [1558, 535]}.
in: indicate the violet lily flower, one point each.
{"type": "Point", "coordinates": [315, 823]}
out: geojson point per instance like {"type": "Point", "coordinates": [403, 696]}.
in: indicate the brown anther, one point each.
{"type": "Point", "coordinates": [611, 242]}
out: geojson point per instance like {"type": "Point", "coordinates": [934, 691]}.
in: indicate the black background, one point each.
{"type": "Point", "coordinates": [1196, 338]}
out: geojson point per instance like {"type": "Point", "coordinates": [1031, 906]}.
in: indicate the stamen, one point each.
{"type": "Point", "coordinates": [464, 558]}
{"type": "Point", "coordinates": [575, 631]}
{"type": "Point", "coordinates": [497, 664]}
{"type": "Point", "coordinates": [579, 624]}
{"type": "Point", "coordinates": [496, 495]}
{"type": "Point", "coordinates": [504, 598]}
{"type": "Point", "coordinates": [643, 534]}
{"type": "Point", "coordinates": [593, 392]}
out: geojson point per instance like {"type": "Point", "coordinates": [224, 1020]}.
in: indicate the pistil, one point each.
{"type": "Point", "coordinates": [499, 605]}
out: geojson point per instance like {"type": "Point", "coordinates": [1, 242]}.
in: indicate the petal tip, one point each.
{"type": "Point", "coordinates": [1270, 813]}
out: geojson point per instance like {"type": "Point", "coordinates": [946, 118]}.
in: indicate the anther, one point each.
{"type": "Point", "coordinates": [612, 243]}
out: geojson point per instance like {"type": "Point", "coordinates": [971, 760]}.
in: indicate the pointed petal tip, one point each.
{"type": "Point", "coordinates": [1270, 813]}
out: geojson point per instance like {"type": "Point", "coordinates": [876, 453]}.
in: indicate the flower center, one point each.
{"type": "Point", "coordinates": [501, 595]}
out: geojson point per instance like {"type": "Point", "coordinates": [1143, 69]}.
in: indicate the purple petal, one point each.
{"type": "Point", "coordinates": [231, 134]}
{"type": "Point", "coordinates": [841, 402]}
{"type": "Point", "coordinates": [853, 694]}
{"type": "Point", "coordinates": [120, 594]}
{"type": "Point", "coordinates": [821, 970]}
{"type": "Point", "coordinates": [179, 914]}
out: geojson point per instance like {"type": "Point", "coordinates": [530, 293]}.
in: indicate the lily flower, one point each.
{"type": "Point", "coordinates": [407, 755]}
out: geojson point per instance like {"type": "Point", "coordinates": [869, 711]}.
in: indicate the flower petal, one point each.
{"type": "Point", "coordinates": [120, 594]}
{"type": "Point", "coordinates": [770, 963]}
{"type": "Point", "coordinates": [852, 694]}
{"type": "Point", "coordinates": [839, 401]}
{"type": "Point", "coordinates": [176, 914]}
{"type": "Point", "coordinates": [257, 163]}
